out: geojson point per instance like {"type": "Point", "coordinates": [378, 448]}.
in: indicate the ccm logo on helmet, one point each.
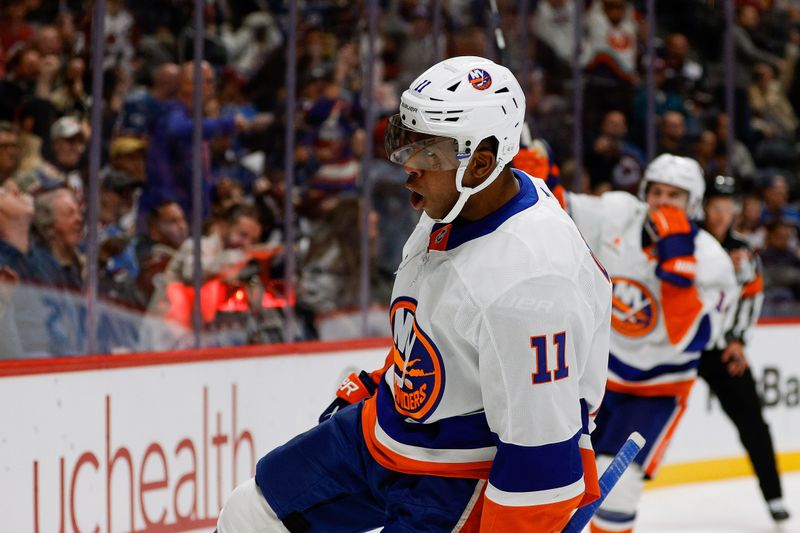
{"type": "Point", "coordinates": [480, 79]}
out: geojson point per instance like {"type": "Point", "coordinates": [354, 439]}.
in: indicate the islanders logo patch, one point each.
{"type": "Point", "coordinates": [418, 368]}
{"type": "Point", "coordinates": [480, 79]}
{"type": "Point", "coordinates": [634, 310]}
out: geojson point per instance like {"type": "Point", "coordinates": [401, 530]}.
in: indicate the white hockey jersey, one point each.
{"type": "Point", "coordinates": [655, 340]}
{"type": "Point", "coordinates": [501, 330]}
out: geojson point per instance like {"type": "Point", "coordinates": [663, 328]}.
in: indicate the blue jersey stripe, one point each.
{"type": "Point", "coordinates": [458, 432]}
{"type": "Point", "coordinates": [533, 468]}
{"type": "Point", "coordinates": [702, 336]}
{"type": "Point", "coordinates": [629, 373]}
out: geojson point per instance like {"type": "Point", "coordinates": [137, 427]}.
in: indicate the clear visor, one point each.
{"type": "Point", "coordinates": [419, 150]}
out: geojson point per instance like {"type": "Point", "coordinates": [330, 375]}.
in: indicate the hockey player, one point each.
{"type": "Point", "coordinates": [536, 158]}
{"type": "Point", "coordinates": [672, 283]}
{"type": "Point", "coordinates": [724, 365]}
{"type": "Point", "coordinates": [500, 319]}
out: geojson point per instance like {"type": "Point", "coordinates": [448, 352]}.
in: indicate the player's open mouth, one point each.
{"type": "Point", "coordinates": [416, 200]}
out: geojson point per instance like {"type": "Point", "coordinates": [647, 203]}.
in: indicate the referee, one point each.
{"type": "Point", "coordinates": [724, 366]}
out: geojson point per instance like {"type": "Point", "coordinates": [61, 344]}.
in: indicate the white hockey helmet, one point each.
{"type": "Point", "coordinates": [448, 111]}
{"type": "Point", "coordinates": [682, 172]}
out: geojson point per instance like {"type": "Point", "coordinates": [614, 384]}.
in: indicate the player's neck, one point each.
{"type": "Point", "coordinates": [492, 198]}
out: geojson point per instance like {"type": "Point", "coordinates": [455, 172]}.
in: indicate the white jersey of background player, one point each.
{"type": "Point", "coordinates": [672, 284]}
{"type": "Point", "coordinates": [500, 319]}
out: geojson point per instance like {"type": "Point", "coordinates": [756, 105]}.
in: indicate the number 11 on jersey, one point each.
{"type": "Point", "coordinates": [543, 374]}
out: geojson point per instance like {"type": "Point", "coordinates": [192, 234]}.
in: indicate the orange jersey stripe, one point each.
{"type": "Point", "coordinates": [547, 518]}
{"type": "Point", "coordinates": [399, 463]}
{"type": "Point", "coordinates": [473, 523]}
{"type": "Point", "coordinates": [679, 388]}
{"type": "Point", "coordinates": [590, 479]}
{"type": "Point", "coordinates": [597, 529]}
{"type": "Point", "coordinates": [682, 308]}
{"type": "Point", "coordinates": [376, 374]}
{"type": "Point", "coordinates": [561, 195]}
{"type": "Point", "coordinates": [655, 459]}
{"type": "Point", "coordinates": [754, 287]}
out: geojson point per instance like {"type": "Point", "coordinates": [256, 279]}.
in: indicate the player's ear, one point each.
{"type": "Point", "coordinates": [482, 163]}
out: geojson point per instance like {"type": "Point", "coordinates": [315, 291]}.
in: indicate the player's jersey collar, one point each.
{"type": "Point", "coordinates": [449, 236]}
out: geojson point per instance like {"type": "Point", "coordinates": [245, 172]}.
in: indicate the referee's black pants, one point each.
{"type": "Point", "coordinates": [739, 399]}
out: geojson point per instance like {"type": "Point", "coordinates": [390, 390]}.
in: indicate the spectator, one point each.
{"type": "Point", "coordinates": [681, 73]}
{"type": "Point", "coordinates": [119, 25]}
{"type": "Point", "coordinates": [225, 247]}
{"type": "Point", "coordinates": [224, 252]}
{"type": "Point", "coordinates": [705, 153]}
{"type": "Point", "coordinates": [666, 101]}
{"type": "Point", "coordinates": [58, 229]}
{"type": "Point", "coordinates": [419, 51]}
{"type": "Point", "coordinates": [612, 34]}
{"type": "Point", "coordinates": [72, 41]}
{"type": "Point", "coordinates": [612, 162]}
{"type": "Point", "coordinates": [672, 135]}
{"type": "Point", "coordinates": [166, 231]}
{"type": "Point", "coordinates": [396, 218]}
{"type": "Point", "coordinates": [742, 164]}
{"type": "Point", "coordinates": [16, 213]}
{"type": "Point", "coordinates": [48, 41]}
{"type": "Point", "coordinates": [232, 100]}
{"type": "Point", "coordinates": [117, 253]}
{"type": "Point", "coordinates": [471, 41]}
{"type": "Point", "coordinates": [226, 164]}
{"type": "Point", "coordinates": [28, 76]}
{"type": "Point", "coordinates": [214, 50]}
{"type": "Point", "coordinates": [9, 151]}
{"type": "Point", "coordinates": [68, 137]}
{"type": "Point", "coordinates": [749, 222]}
{"type": "Point", "coordinates": [169, 154]}
{"type": "Point", "coordinates": [30, 124]}
{"type": "Point", "coordinates": [781, 269]}
{"type": "Point", "coordinates": [128, 154]}
{"type": "Point", "coordinates": [13, 27]}
{"type": "Point", "coordinates": [773, 114]}
{"type": "Point", "coordinates": [70, 98]}
{"type": "Point", "coordinates": [327, 289]}
{"type": "Point", "coordinates": [143, 107]}
{"type": "Point", "coordinates": [554, 27]}
{"type": "Point", "coordinates": [18, 325]}
{"type": "Point", "coordinates": [610, 58]}
{"type": "Point", "coordinates": [776, 202]}
{"type": "Point", "coordinates": [332, 168]}
{"type": "Point", "coordinates": [249, 45]}
{"type": "Point", "coordinates": [747, 53]}
{"type": "Point", "coordinates": [118, 193]}
{"type": "Point", "coordinates": [773, 118]}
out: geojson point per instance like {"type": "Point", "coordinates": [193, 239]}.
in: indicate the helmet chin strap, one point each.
{"type": "Point", "coordinates": [466, 192]}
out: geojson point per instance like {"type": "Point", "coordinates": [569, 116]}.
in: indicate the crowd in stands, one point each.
{"type": "Point", "coordinates": [689, 72]}
{"type": "Point", "coordinates": [144, 251]}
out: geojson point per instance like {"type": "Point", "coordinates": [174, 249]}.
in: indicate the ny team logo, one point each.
{"type": "Point", "coordinates": [480, 79]}
{"type": "Point", "coordinates": [418, 368]}
{"type": "Point", "coordinates": [634, 310]}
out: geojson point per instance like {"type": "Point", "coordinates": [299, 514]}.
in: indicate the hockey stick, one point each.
{"type": "Point", "coordinates": [497, 30]}
{"type": "Point", "coordinates": [621, 461]}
